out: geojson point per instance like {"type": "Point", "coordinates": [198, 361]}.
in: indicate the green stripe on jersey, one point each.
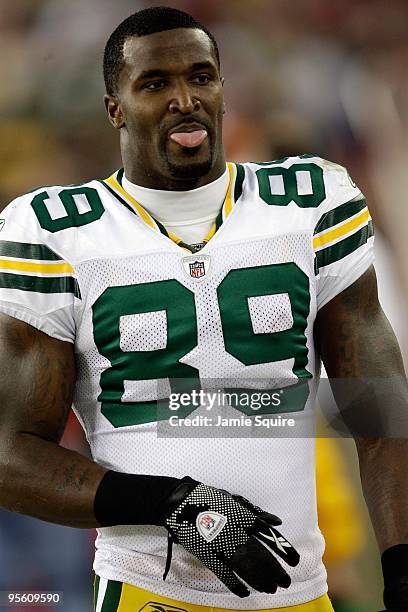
{"type": "Point", "coordinates": [96, 590]}
{"type": "Point", "coordinates": [344, 247]}
{"type": "Point", "coordinates": [218, 221]}
{"type": "Point", "coordinates": [25, 250]}
{"type": "Point", "coordinates": [239, 181]}
{"type": "Point", "coordinates": [117, 196]}
{"type": "Point", "coordinates": [119, 176]}
{"type": "Point", "coordinates": [40, 284]}
{"type": "Point", "coordinates": [339, 214]}
{"type": "Point", "coordinates": [161, 227]}
{"type": "Point", "coordinates": [112, 596]}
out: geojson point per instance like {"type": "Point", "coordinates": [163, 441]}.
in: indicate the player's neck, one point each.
{"type": "Point", "coordinates": [167, 206]}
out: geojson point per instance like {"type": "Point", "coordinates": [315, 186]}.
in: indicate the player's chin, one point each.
{"type": "Point", "coordinates": [191, 164]}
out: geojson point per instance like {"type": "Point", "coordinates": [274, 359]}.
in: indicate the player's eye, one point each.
{"type": "Point", "coordinates": [202, 79]}
{"type": "Point", "coordinates": [154, 85]}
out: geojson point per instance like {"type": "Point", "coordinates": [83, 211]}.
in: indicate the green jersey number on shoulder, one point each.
{"type": "Point", "coordinates": [166, 363]}
{"type": "Point", "coordinates": [69, 199]}
{"type": "Point", "coordinates": [279, 186]}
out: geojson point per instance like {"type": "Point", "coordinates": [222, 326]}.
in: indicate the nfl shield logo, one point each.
{"type": "Point", "coordinates": [209, 524]}
{"type": "Point", "coordinates": [196, 266]}
{"type": "Point", "coordinates": [197, 269]}
{"type": "Point", "coordinates": [207, 521]}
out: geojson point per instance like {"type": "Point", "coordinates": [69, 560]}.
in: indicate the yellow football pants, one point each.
{"type": "Point", "coordinates": [112, 596]}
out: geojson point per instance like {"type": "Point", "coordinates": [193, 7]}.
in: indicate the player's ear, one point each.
{"type": "Point", "coordinates": [114, 110]}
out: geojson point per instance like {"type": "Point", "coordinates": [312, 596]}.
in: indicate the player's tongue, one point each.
{"type": "Point", "coordinates": [189, 139]}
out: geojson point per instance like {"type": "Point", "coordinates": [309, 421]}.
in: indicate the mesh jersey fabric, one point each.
{"type": "Point", "coordinates": [140, 315]}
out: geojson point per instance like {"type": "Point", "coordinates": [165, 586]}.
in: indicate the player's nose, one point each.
{"type": "Point", "coordinates": [183, 101]}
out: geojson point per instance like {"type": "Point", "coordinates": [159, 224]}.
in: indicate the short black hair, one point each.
{"type": "Point", "coordinates": [142, 23]}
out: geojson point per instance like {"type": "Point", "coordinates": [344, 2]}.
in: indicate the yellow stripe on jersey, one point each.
{"type": "Point", "coordinates": [139, 209]}
{"type": "Point", "coordinates": [228, 198]}
{"type": "Point", "coordinates": [227, 205]}
{"type": "Point", "coordinates": [342, 230]}
{"type": "Point", "coordinates": [38, 268]}
{"type": "Point", "coordinates": [178, 241]}
{"type": "Point", "coordinates": [210, 233]}
{"type": "Point", "coordinates": [173, 237]}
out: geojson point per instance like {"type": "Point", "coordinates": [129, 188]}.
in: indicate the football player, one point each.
{"type": "Point", "coordinates": [182, 267]}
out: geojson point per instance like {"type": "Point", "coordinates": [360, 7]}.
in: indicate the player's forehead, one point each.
{"type": "Point", "coordinates": [169, 50]}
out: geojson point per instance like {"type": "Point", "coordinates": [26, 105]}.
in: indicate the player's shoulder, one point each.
{"type": "Point", "coordinates": [304, 159]}
{"type": "Point", "coordinates": [50, 196]}
{"type": "Point", "coordinates": [51, 208]}
{"type": "Point", "coordinates": [44, 223]}
{"type": "Point", "coordinates": [308, 180]}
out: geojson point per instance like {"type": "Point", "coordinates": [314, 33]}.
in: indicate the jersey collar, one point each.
{"type": "Point", "coordinates": [234, 191]}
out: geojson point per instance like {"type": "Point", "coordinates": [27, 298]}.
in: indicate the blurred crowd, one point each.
{"type": "Point", "coordinates": [329, 78]}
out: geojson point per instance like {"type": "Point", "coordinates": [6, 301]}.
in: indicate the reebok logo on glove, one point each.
{"type": "Point", "coordinates": [278, 540]}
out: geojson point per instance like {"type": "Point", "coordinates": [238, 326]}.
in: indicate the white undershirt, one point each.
{"type": "Point", "coordinates": [187, 214]}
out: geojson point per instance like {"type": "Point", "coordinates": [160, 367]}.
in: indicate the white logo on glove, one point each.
{"type": "Point", "coordinates": [209, 524]}
{"type": "Point", "coordinates": [280, 542]}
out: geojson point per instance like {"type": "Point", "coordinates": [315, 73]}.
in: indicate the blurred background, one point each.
{"type": "Point", "coordinates": [329, 78]}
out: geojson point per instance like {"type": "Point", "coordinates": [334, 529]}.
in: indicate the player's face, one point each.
{"type": "Point", "coordinates": [169, 109]}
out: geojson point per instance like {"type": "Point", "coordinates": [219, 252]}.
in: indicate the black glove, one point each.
{"type": "Point", "coordinates": [230, 536]}
{"type": "Point", "coordinates": [395, 569]}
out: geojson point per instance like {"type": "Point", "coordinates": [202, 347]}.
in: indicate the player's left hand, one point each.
{"type": "Point", "coordinates": [233, 538]}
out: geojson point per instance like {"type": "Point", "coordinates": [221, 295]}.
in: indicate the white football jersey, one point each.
{"type": "Point", "coordinates": [87, 264]}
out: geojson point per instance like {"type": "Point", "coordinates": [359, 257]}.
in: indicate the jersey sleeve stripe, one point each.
{"type": "Point", "coordinates": [96, 590]}
{"type": "Point", "coordinates": [38, 268]}
{"type": "Point", "coordinates": [339, 214]}
{"type": "Point", "coordinates": [343, 229]}
{"type": "Point", "coordinates": [112, 596]}
{"type": "Point", "coordinates": [26, 250]}
{"type": "Point", "coordinates": [343, 248]}
{"type": "Point", "coordinates": [39, 284]}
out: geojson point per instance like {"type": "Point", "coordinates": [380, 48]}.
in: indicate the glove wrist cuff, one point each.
{"type": "Point", "coordinates": [394, 563]}
{"type": "Point", "coordinates": [132, 499]}
{"type": "Point", "coordinates": [182, 490]}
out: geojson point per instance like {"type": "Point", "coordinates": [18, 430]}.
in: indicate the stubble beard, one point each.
{"type": "Point", "coordinates": [190, 170]}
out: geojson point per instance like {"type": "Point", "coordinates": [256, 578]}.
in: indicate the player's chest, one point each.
{"type": "Point", "coordinates": [238, 310]}
{"type": "Point", "coordinates": [258, 265]}
{"type": "Point", "coordinates": [244, 295]}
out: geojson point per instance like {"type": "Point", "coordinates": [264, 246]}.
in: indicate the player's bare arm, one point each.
{"type": "Point", "coordinates": [356, 341]}
{"type": "Point", "coordinates": [38, 477]}
{"type": "Point", "coordinates": [36, 389]}
{"type": "Point", "coordinates": [62, 486]}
